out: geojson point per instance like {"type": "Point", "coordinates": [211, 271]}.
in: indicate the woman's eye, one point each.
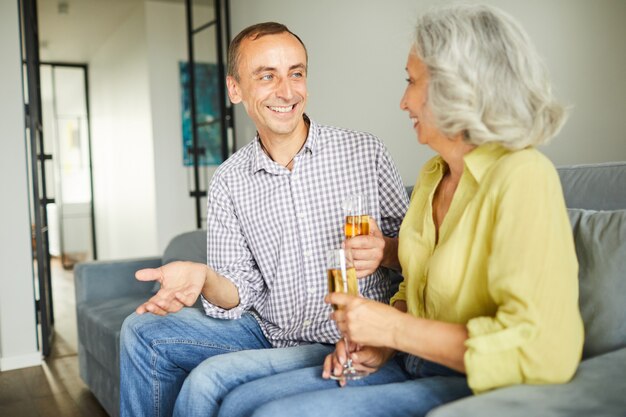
{"type": "Point", "coordinates": [409, 81]}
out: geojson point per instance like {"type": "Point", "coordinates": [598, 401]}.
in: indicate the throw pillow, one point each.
{"type": "Point", "coordinates": [600, 238]}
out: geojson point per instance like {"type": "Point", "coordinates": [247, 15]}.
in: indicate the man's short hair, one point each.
{"type": "Point", "coordinates": [255, 32]}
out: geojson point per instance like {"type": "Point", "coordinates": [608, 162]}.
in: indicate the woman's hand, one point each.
{"type": "Point", "coordinates": [365, 322]}
{"type": "Point", "coordinates": [366, 358]}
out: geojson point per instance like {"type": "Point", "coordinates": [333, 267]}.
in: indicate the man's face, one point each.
{"type": "Point", "coordinates": [272, 84]}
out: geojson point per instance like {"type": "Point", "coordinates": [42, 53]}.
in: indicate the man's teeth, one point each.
{"type": "Point", "coordinates": [281, 109]}
{"type": "Point", "coordinates": [415, 120]}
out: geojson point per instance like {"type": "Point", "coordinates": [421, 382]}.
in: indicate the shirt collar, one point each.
{"type": "Point", "coordinates": [477, 163]}
{"type": "Point", "coordinates": [480, 159]}
{"type": "Point", "coordinates": [261, 161]}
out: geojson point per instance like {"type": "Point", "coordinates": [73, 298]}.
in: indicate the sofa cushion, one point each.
{"type": "Point", "coordinates": [594, 391]}
{"type": "Point", "coordinates": [600, 238]}
{"type": "Point", "coordinates": [100, 325]}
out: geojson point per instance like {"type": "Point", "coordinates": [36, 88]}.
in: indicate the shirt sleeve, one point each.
{"type": "Point", "coordinates": [228, 253]}
{"type": "Point", "coordinates": [535, 335]}
{"type": "Point", "coordinates": [393, 198]}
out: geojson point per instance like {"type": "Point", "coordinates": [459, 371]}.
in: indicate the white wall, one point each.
{"type": "Point", "coordinates": [122, 146]}
{"type": "Point", "coordinates": [167, 46]}
{"type": "Point", "coordinates": [141, 186]}
{"type": "Point", "coordinates": [18, 343]}
{"type": "Point", "coordinates": [357, 54]}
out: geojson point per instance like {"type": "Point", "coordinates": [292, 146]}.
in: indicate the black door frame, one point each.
{"type": "Point", "coordinates": [221, 23]}
{"type": "Point", "coordinates": [85, 69]}
{"type": "Point", "coordinates": [38, 158]}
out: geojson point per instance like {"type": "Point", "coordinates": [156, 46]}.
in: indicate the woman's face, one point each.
{"type": "Point", "coordinates": [414, 102]}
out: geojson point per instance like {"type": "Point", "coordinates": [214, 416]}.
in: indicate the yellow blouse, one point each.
{"type": "Point", "coordinates": [505, 265]}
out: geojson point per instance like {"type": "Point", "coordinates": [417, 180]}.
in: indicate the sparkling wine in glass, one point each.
{"type": "Point", "coordinates": [356, 216]}
{"type": "Point", "coordinates": [342, 278]}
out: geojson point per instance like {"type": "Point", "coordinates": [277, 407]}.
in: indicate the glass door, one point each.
{"type": "Point", "coordinates": [66, 129]}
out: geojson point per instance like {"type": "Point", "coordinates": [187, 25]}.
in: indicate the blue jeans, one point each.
{"type": "Point", "coordinates": [208, 384]}
{"type": "Point", "coordinates": [158, 353]}
{"type": "Point", "coordinates": [405, 386]}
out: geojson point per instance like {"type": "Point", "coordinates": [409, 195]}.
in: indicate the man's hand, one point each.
{"type": "Point", "coordinates": [181, 284]}
{"type": "Point", "coordinates": [367, 250]}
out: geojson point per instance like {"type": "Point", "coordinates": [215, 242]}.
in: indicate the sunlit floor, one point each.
{"type": "Point", "coordinates": [53, 389]}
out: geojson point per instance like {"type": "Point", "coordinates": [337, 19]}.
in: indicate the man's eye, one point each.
{"type": "Point", "coordinates": [409, 81]}
{"type": "Point", "coordinates": [297, 75]}
{"type": "Point", "coordinates": [267, 77]}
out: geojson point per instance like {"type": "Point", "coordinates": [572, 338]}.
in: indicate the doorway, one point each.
{"type": "Point", "coordinates": [57, 128]}
{"type": "Point", "coordinates": [65, 116]}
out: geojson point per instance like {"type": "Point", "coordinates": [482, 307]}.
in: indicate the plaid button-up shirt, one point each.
{"type": "Point", "coordinates": [269, 228]}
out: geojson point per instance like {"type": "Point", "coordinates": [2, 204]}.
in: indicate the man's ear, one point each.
{"type": "Point", "coordinates": [234, 93]}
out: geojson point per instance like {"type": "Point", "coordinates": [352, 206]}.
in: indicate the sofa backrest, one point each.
{"type": "Point", "coordinates": [188, 246]}
{"type": "Point", "coordinates": [594, 186]}
{"type": "Point", "coordinates": [596, 199]}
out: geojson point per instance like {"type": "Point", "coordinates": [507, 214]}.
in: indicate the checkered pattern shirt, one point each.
{"type": "Point", "coordinates": [269, 228]}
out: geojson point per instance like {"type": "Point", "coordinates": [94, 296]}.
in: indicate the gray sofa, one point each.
{"type": "Point", "coordinates": [106, 292]}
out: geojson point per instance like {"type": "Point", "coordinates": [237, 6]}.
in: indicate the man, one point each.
{"type": "Point", "coordinates": [274, 209]}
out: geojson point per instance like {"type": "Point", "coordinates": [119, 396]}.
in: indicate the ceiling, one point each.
{"type": "Point", "coordinates": [71, 30]}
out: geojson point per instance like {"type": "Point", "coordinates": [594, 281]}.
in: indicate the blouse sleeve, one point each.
{"type": "Point", "coordinates": [400, 295]}
{"type": "Point", "coordinates": [535, 336]}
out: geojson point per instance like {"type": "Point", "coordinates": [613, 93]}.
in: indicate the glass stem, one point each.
{"type": "Point", "coordinates": [348, 355]}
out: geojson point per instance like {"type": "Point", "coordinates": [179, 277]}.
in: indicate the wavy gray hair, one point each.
{"type": "Point", "coordinates": [486, 79]}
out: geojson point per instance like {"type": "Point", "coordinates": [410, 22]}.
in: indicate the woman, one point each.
{"type": "Point", "coordinates": [490, 296]}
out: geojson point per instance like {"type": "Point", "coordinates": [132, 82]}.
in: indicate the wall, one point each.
{"type": "Point", "coordinates": [141, 186]}
{"type": "Point", "coordinates": [356, 68]}
{"type": "Point", "coordinates": [167, 46]}
{"type": "Point", "coordinates": [122, 146]}
{"type": "Point", "coordinates": [18, 343]}
{"type": "Point", "coordinates": [356, 79]}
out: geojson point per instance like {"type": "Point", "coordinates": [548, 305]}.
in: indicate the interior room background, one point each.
{"type": "Point", "coordinates": [357, 54]}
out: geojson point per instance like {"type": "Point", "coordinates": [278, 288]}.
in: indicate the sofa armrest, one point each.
{"type": "Point", "coordinates": [595, 390]}
{"type": "Point", "coordinates": [100, 280]}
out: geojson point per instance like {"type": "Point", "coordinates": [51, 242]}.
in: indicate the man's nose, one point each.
{"type": "Point", "coordinates": [284, 89]}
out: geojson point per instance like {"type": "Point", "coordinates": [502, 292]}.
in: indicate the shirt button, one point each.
{"type": "Point", "coordinates": [307, 254]}
{"type": "Point", "coordinates": [310, 290]}
{"type": "Point", "coordinates": [301, 215]}
{"type": "Point", "coordinates": [306, 323]}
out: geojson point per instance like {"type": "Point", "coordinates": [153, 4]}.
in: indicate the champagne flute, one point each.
{"type": "Point", "coordinates": [356, 217]}
{"type": "Point", "coordinates": [342, 278]}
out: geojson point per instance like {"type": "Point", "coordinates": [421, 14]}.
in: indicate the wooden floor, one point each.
{"type": "Point", "coordinates": [53, 389]}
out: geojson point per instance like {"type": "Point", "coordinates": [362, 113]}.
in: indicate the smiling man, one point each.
{"type": "Point", "coordinates": [268, 76]}
{"type": "Point", "coordinates": [274, 209]}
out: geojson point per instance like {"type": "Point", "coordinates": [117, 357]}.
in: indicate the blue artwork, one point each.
{"type": "Point", "coordinates": [207, 114]}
